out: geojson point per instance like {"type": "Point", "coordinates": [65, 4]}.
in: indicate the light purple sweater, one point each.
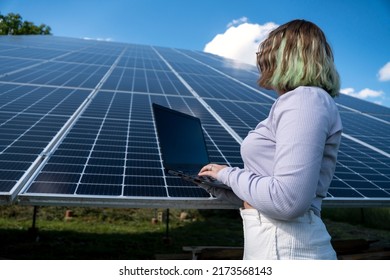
{"type": "Point", "coordinates": [290, 157]}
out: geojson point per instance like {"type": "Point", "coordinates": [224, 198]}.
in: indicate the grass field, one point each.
{"type": "Point", "coordinates": [97, 233]}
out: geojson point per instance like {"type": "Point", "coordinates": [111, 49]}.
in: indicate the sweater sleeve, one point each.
{"type": "Point", "coordinates": [301, 122]}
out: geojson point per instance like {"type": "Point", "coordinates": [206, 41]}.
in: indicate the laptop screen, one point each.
{"type": "Point", "coordinates": [181, 139]}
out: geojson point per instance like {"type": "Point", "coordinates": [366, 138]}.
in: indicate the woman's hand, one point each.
{"type": "Point", "coordinates": [211, 170]}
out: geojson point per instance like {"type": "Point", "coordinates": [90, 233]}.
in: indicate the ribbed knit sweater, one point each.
{"type": "Point", "coordinates": [290, 157]}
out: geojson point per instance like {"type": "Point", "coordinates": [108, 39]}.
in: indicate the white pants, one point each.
{"type": "Point", "coordinates": [305, 237]}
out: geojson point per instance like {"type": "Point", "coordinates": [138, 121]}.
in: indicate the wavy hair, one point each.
{"type": "Point", "coordinates": [297, 54]}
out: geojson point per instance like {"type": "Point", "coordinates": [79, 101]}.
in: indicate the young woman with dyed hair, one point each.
{"type": "Point", "coordinates": [290, 157]}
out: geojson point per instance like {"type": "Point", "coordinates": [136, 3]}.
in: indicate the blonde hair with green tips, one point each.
{"type": "Point", "coordinates": [297, 54]}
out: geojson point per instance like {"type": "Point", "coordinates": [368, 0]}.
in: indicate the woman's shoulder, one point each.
{"type": "Point", "coordinates": [307, 96]}
{"type": "Point", "coordinates": [305, 91]}
{"type": "Point", "coordinates": [307, 100]}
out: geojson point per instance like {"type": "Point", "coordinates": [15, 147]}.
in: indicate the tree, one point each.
{"type": "Point", "coordinates": [13, 24]}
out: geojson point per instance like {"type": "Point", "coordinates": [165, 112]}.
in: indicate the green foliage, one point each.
{"type": "Point", "coordinates": [13, 24]}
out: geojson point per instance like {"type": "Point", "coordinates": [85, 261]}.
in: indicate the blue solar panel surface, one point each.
{"type": "Point", "coordinates": [76, 124]}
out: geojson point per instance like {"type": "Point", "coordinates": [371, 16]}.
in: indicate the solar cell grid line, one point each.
{"type": "Point", "coordinates": [220, 144]}
{"type": "Point", "coordinates": [128, 111]}
{"type": "Point", "coordinates": [21, 53]}
{"type": "Point", "coordinates": [34, 100]}
{"type": "Point", "coordinates": [60, 74]}
{"type": "Point", "coordinates": [224, 87]}
{"type": "Point", "coordinates": [149, 80]}
{"type": "Point", "coordinates": [79, 141]}
{"type": "Point", "coordinates": [11, 64]}
{"type": "Point", "coordinates": [213, 131]}
{"type": "Point", "coordinates": [188, 76]}
{"type": "Point", "coordinates": [168, 83]}
{"type": "Point", "coordinates": [218, 87]}
{"type": "Point", "coordinates": [270, 98]}
{"type": "Point", "coordinates": [236, 116]}
{"type": "Point", "coordinates": [26, 109]}
{"type": "Point", "coordinates": [134, 178]}
{"type": "Point", "coordinates": [365, 157]}
{"type": "Point", "coordinates": [175, 190]}
{"type": "Point", "coordinates": [102, 144]}
{"type": "Point", "coordinates": [202, 101]}
{"type": "Point", "coordinates": [57, 137]}
{"type": "Point", "coordinates": [367, 130]}
{"type": "Point", "coordinates": [381, 117]}
{"type": "Point", "coordinates": [247, 73]}
{"type": "Point", "coordinates": [19, 144]}
{"type": "Point", "coordinates": [89, 58]}
{"type": "Point", "coordinates": [369, 126]}
{"type": "Point", "coordinates": [363, 106]}
{"type": "Point", "coordinates": [367, 145]}
{"type": "Point", "coordinates": [356, 177]}
{"type": "Point", "coordinates": [155, 83]}
{"type": "Point", "coordinates": [36, 53]}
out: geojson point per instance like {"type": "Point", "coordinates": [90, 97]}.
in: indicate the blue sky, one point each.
{"type": "Point", "coordinates": [358, 30]}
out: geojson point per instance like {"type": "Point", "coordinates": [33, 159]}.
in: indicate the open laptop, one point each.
{"type": "Point", "coordinates": [183, 145]}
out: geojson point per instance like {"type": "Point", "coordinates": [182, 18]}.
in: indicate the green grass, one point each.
{"type": "Point", "coordinates": [95, 233]}
{"type": "Point", "coordinates": [99, 233]}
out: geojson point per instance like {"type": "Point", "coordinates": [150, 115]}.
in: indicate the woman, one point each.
{"type": "Point", "coordinates": [290, 157]}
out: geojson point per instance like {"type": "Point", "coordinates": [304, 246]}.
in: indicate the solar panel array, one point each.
{"type": "Point", "coordinates": [76, 125]}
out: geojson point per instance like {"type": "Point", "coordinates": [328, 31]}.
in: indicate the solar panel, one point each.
{"type": "Point", "coordinates": [76, 124]}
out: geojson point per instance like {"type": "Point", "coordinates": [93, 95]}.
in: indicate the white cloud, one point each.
{"type": "Point", "coordinates": [237, 21]}
{"type": "Point", "coordinates": [98, 39]}
{"type": "Point", "coordinates": [240, 42]}
{"type": "Point", "coordinates": [363, 94]}
{"type": "Point", "coordinates": [384, 73]}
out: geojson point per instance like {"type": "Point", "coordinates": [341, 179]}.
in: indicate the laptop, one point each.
{"type": "Point", "coordinates": [183, 146]}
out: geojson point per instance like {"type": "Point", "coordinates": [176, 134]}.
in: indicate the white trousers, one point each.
{"type": "Point", "coordinates": [305, 237]}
